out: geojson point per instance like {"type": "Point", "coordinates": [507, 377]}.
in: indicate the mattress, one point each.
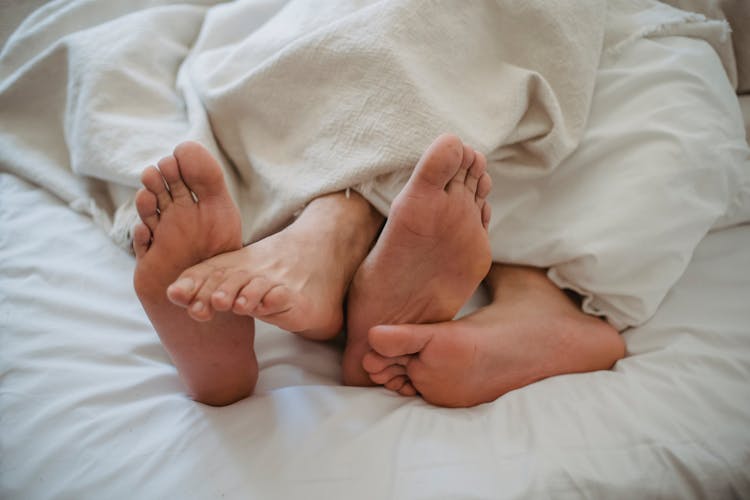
{"type": "Point", "coordinates": [92, 407]}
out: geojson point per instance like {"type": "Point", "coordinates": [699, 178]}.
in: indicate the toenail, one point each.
{"type": "Point", "coordinates": [219, 294]}
{"type": "Point", "coordinates": [198, 306]}
{"type": "Point", "coordinates": [185, 284]}
{"type": "Point", "coordinates": [241, 301]}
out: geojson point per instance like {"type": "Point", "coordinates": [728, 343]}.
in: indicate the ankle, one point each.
{"type": "Point", "coordinates": [348, 215]}
{"type": "Point", "coordinates": [506, 278]}
{"type": "Point", "coordinates": [350, 201]}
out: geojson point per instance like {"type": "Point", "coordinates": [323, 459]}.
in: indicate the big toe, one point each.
{"type": "Point", "coordinates": [200, 171]}
{"type": "Point", "coordinates": [440, 162]}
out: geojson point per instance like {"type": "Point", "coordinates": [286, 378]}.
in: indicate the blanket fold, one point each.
{"type": "Point", "coordinates": [297, 99]}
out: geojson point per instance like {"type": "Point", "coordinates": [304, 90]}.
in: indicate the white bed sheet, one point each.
{"type": "Point", "coordinates": [745, 108]}
{"type": "Point", "coordinates": [91, 407]}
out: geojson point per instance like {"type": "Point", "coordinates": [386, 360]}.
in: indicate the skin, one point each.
{"type": "Point", "coordinates": [530, 331]}
{"type": "Point", "coordinates": [431, 255]}
{"type": "Point", "coordinates": [295, 279]}
{"type": "Point", "coordinates": [215, 359]}
{"type": "Point", "coordinates": [201, 288]}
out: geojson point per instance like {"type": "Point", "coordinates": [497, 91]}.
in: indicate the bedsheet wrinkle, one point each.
{"type": "Point", "coordinates": [298, 100]}
{"type": "Point", "coordinates": [83, 416]}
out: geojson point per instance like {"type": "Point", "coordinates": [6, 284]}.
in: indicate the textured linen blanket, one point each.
{"type": "Point", "coordinates": [302, 98]}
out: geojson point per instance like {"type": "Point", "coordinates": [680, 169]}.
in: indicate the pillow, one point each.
{"type": "Point", "coordinates": [663, 160]}
{"type": "Point", "coordinates": [737, 12]}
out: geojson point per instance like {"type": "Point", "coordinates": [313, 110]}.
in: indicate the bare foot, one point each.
{"type": "Point", "coordinates": [530, 331]}
{"type": "Point", "coordinates": [216, 359]}
{"type": "Point", "coordinates": [432, 254]}
{"type": "Point", "coordinates": [295, 279]}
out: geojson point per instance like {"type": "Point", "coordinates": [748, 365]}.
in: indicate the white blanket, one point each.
{"type": "Point", "coordinates": [92, 407]}
{"type": "Point", "coordinates": [302, 98]}
{"type": "Point", "coordinates": [298, 99]}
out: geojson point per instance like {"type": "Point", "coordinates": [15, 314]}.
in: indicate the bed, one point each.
{"type": "Point", "coordinates": [92, 407]}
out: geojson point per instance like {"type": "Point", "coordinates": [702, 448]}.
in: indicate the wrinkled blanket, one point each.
{"type": "Point", "coordinates": [297, 98]}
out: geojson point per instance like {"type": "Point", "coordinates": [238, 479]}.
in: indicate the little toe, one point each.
{"type": "Point", "coordinates": [145, 205]}
{"type": "Point", "coordinates": [153, 181]}
{"type": "Point", "coordinates": [171, 173]}
{"type": "Point", "coordinates": [141, 239]}
{"type": "Point", "coordinates": [385, 376]}
{"type": "Point", "coordinates": [224, 297]}
{"type": "Point", "coordinates": [200, 171]}
{"type": "Point", "coordinates": [440, 162]}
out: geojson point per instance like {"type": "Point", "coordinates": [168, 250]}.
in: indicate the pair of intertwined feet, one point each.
{"type": "Point", "coordinates": [202, 289]}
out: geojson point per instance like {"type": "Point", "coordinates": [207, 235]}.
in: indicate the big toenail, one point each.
{"type": "Point", "coordinates": [185, 284]}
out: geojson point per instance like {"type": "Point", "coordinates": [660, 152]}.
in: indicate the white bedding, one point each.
{"type": "Point", "coordinates": [298, 101]}
{"type": "Point", "coordinates": [91, 407]}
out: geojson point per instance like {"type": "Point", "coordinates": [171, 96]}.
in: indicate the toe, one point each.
{"type": "Point", "coordinates": [486, 215]}
{"type": "Point", "coordinates": [250, 296]}
{"type": "Point", "coordinates": [396, 383]}
{"type": "Point", "coordinates": [484, 186]}
{"type": "Point", "coordinates": [385, 376]}
{"type": "Point", "coordinates": [374, 362]}
{"type": "Point", "coordinates": [141, 239]}
{"type": "Point", "coordinates": [276, 301]}
{"type": "Point", "coordinates": [145, 204]}
{"type": "Point", "coordinates": [440, 163]}
{"type": "Point", "coordinates": [183, 290]}
{"type": "Point", "coordinates": [171, 173]}
{"type": "Point", "coordinates": [475, 172]}
{"type": "Point", "coordinates": [392, 341]}
{"type": "Point", "coordinates": [200, 171]}
{"type": "Point", "coordinates": [200, 308]}
{"type": "Point", "coordinates": [467, 160]}
{"type": "Point", "coordinates": [153, 181]}
{"type": "Point", "coordinates": [225, 295]}
{"type": "Point", "coordinates": [408, 390]}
